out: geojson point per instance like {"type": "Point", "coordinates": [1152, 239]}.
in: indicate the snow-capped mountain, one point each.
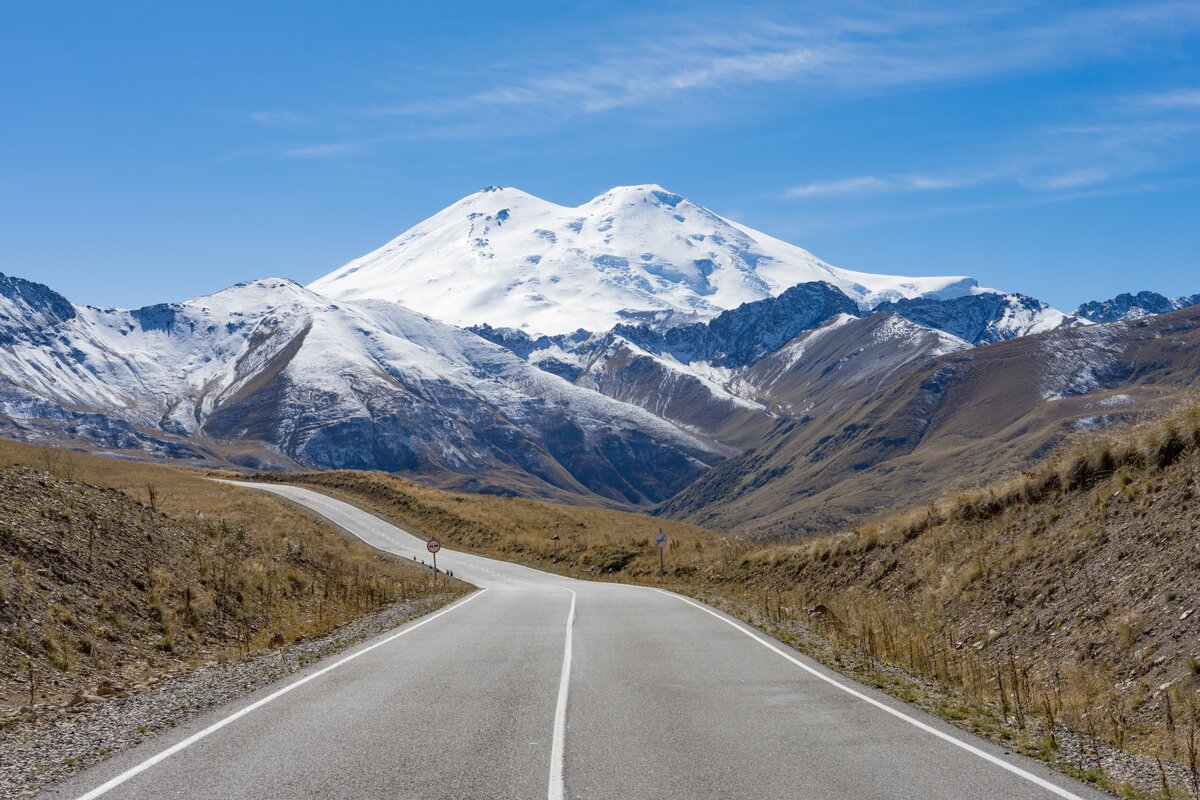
{"type": "Point", "coordinates": [734, 377]}
{"type": "Point", "coordinates": [1133, 306]}
{"type": "Point", "coordinates": [704, 375]}
{"type": "Point", "coordinates": [881, 420]}
{"type": "Point", "coordinates": [505, 258]}
{"type": "Point", "coordinates": [618, 352]}
{"type": "Point", "coordinates": [984, 318]}
{"type": "Point", "coordinates": [267, 372]}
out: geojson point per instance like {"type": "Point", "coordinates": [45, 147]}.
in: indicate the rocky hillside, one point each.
{"type": "Point", "coordinates": [100, 590]}
{"type": "Point", "coordinates": [876, 427]}
{"type": "Point", "coordinates": [1071, 590]}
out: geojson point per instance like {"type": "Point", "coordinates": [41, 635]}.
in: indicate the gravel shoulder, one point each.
{"type": "Point", "coordinates": [47, 743]}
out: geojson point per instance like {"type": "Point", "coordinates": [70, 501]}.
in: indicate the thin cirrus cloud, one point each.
{"type": "Point", "coordinates": [322, 150]}
{"type": "Point", "coordinates": [878, 49]}
{"type": "Point", "coordinates": [1070, 180]}
{"type": "Point", "coordinates": [873, 184]}
{"type": "Point", "coordinates": [864, 184]}
{"type": "Point", "coordinates": [1060, 159]}
{"type": "Point", "coordinates": [1178, 99]}
{"type": "Point", "coordinates": [277, 118]}
{"type": "Point", "coordinates": [701, 66]}
{"type": "Point", "coordinates": [1051, 180]}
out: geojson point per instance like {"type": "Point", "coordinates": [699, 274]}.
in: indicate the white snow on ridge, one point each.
{"type": "Point", "coordinates": [172, 366]}
{"type": "Point", "coordinates": [793, 352]}
{"type": "Point", "coordinates": [1022, 321]}
{"type": "Point", "coordinates": [509, 259]}
{"type": "Point", "coordinates": [1078, 370]}
{"type": "Point", "coordinates": [898, 329]}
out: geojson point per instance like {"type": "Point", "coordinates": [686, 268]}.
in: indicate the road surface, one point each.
{"type": "Point", "coordinates": [540, 686]}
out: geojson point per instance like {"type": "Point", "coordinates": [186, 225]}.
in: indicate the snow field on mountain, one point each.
{"type": "Point", "coordinates": [509, 259]}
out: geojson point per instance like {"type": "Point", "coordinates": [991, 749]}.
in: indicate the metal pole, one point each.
{"type": "Point", "coordinates": [662, 570]}
{"type": "Point", "coordinates": [435, 570]}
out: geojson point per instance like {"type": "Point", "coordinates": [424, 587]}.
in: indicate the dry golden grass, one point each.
{"type": "Point", "coordinates": [1065, 593]}
{"type": "Point", "coordinates": [594, 542]}
{"type": "Point", "coordinates": [143, 568]}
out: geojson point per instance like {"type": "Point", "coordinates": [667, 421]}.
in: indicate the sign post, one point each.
{"type": "Point", "coordinates": [433, 545]}
{"type": "Point", "coordinates": [555, 539]}
{"type": "Point", "coordinates": [661, 541]}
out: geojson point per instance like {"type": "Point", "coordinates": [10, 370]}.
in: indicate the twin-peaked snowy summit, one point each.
{"type": "Point", "coordinates": [508, 259]}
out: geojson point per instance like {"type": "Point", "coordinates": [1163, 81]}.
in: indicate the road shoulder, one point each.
{"type": "Point", "coordinates": [54, 744]}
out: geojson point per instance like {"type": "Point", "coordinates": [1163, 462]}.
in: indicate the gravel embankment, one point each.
{"type": "Point", "coordinates": [48, 743]}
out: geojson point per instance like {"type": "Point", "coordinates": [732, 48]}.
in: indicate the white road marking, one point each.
{"type": "Point", "coordinates": [556, 788]}
{"type": "Point", "coordinates": [1013, 768]}
{"type": "Point", "coordinates": [216, 726]}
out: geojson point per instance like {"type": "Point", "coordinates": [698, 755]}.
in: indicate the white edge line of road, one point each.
{"type": "Point", "coordinates": [216, 726]}
{"type": "Point", "coordinates": [557, 788]}
{"type": "Point", "coordinates": [1013, 768]}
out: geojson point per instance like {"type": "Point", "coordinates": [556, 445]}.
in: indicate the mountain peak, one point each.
{"type": "Point", "coordinates": [507, 258]}
{"type": "Point", "coordinates": [34, 298]}
{"type": "Point", "coordinates": [1128, 306]}
{"type": "Point", "coordinates": [631, 196]}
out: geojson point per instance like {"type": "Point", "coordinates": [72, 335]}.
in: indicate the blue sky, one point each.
{"type": "Point", "coordinates": [155, 151]}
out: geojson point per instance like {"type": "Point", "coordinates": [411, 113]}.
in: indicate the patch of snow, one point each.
{"type": "Point", "coordinates": [794, 352]}
{"type": "Point", "coordinates": [1080, 368]}
{"type": "Point", "coordinates": [1113, 401]}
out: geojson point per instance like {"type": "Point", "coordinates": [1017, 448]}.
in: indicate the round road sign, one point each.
{"type": "Point", "coordinates": [660, 540]}
{"type": "Point", "coordinates": [433, 545]}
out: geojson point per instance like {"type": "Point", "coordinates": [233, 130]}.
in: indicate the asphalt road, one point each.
{"type": "Point", "coordinates": [540, 686]}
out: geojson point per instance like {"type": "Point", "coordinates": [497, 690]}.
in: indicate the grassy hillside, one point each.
{"type": "Point", "coordinates": [594, 542]}
{"type": "Point", "coordinates": [115, 571]}
{"type": "Point", "coordinates": [1070, 592]}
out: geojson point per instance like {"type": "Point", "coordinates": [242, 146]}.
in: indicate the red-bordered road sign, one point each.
{"type": "Point", "coordinates": [433, 545]}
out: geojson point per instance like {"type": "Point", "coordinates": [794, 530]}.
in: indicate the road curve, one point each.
{"type": "Point", "coordinates": [541, 686]}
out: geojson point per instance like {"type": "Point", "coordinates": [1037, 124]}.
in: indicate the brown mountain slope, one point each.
{"type": "Point", "coordinates": [937, 424]}
{"type": "Point", "coordinates": [1070, 592]}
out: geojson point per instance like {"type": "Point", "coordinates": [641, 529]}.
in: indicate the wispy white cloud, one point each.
{"type": "Point", "coordinates": [706, 60]}
{"type": "Point", "coordinates": [857, 219]}
{"type": "Point", "coordinates": [1177, 99]}
{"type": "Point", "coordinates": [277, 118]}
{"type": "Point", "coordinates": [1064, 160]}
{"type": "Point", "coordinates": [1072, 179]}
{"type": "Point", "coordinates": [874, 184]}
{"type": "Point", "coordinates": [328, 150]}
{"type": "Point", "coordinates": [859, 185]}
{"type": "Point", "coordinates": [848, 52]}
{"type": "Point", "coordinates": [698, 67]}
